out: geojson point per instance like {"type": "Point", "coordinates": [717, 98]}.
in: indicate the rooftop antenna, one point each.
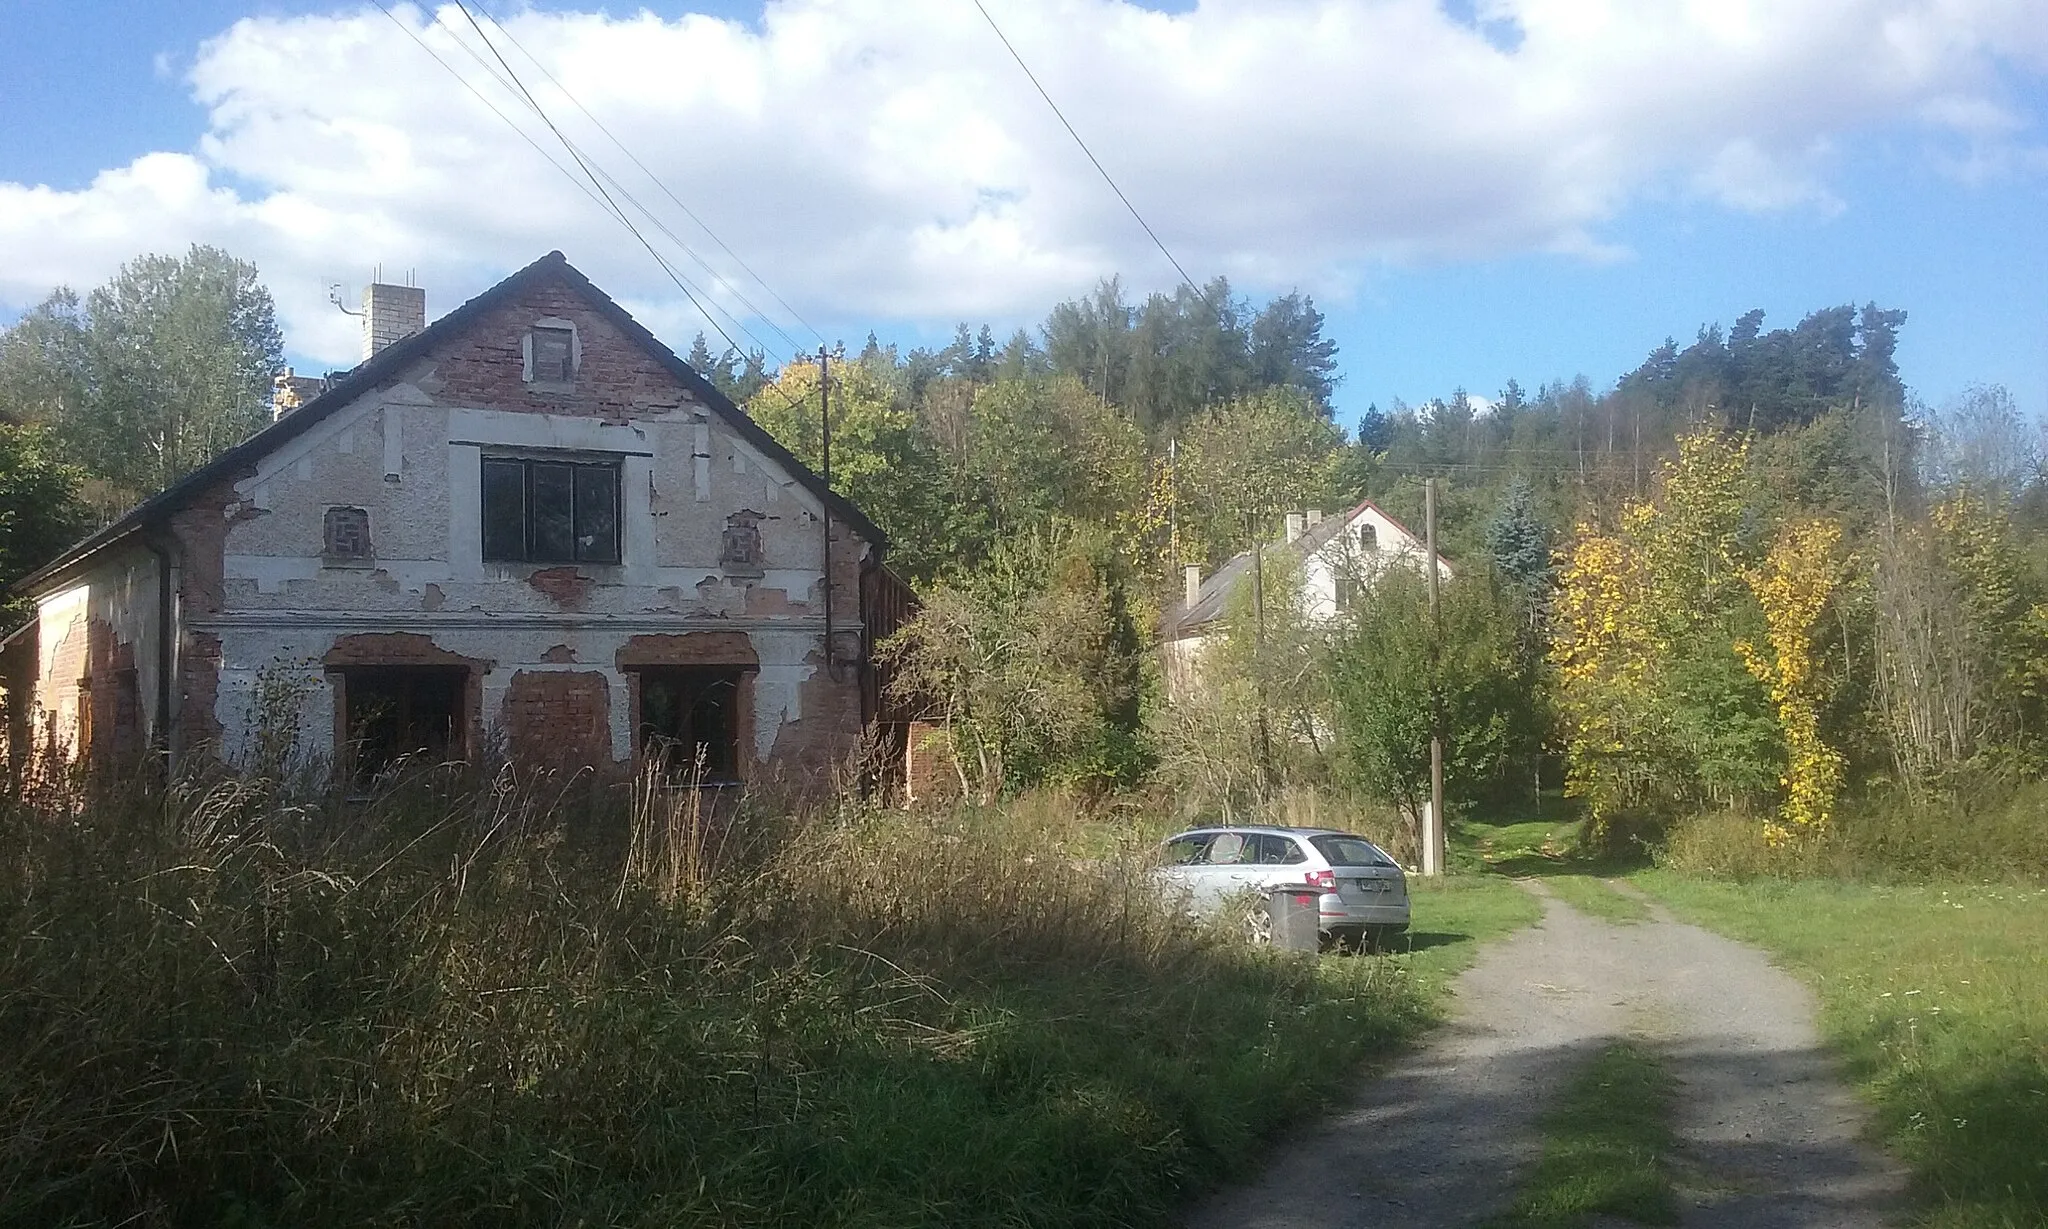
{"type": "Point", "coordinates": [335, 296]}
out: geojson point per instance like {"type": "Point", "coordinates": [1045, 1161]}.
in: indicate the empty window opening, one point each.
{"type": "Point", "coordinates": [554, 355]}
{"type": "Point", "coordinates": [691, 715]}
{"type": "Point", "coordinates": [1368, 538]}
{"type": "Point", "coordinates": [347, 534]}
{"type": "Point", "coordinates": [550, 511]}
{"type": "Point", "coordinates": [398, 711]}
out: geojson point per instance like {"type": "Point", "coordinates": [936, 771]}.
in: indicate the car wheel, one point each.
{"type": "Point", "coordinates": [1258, 925]}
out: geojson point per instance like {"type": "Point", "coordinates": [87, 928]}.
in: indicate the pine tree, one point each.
{"type": "Point", "coordinates": [1518, 541]}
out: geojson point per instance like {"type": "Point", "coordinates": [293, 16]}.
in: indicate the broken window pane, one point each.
{"type": "Point", "coordinates": [550, 511]}
{"type": "Point", "coordinates": [504, 510]}
{"type": "Point", "coordinates": [554, 355]}
{"type": "Point", "coordinates": [597, 514]}
{"type": "Point", "coordinates": [553, 503]}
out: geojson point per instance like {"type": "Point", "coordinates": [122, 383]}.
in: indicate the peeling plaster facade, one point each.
{"type": "Point", "coordinates": [269, 620]}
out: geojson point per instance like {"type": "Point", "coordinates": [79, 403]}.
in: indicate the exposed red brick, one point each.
{"type": "Point", "coordinates": [826, 734]}
{"type": "Point", "coordinates": [929, 772]}
{"type": "Point", "coordinates": [559, 718]}
{"type": "Point", "coordinates": [564, 585]}
{"type": "Point", "coordinates": [432, 598]}
{"type": "Point", "coordinates": [689, 649]}
{"type": "Point", "coordinates": [395, 649]}
{"type": "Point", "coordinates": [484, 365]}
{"type": "Point", "coordinates": [198, 730]}
{"type": "Point", "coordinates": [405, 649]}
{"type": "Point", "coordinates": [114, 693]}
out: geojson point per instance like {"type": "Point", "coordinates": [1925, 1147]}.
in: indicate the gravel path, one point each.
{"type": "Point", "coordinates": [1769, 1135]}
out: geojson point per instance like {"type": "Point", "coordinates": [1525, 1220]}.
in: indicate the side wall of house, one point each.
{"type": "Point", "coordinates": [273, 618]}
{"type": "Point", "coordinates": [96, 663]}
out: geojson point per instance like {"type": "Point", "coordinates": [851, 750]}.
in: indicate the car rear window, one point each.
{"type": "Point", "coordinates": [1350, 851]}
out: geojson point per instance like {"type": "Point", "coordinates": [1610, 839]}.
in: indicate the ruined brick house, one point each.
{"type": "Point", "coordinates": [528, 528]}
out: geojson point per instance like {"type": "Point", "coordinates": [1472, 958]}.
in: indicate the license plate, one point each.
{"type": "Point", "coordinates": [1368, 886]}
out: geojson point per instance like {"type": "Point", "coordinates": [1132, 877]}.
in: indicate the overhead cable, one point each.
{"type": "Point", "coordinates": [582, 161]}
{"type": "Point", "coordinates": [660, 183]}
{"type": "Point", "coordinates": [1096, 162]}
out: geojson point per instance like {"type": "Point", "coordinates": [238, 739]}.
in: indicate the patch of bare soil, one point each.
{"type": "Point", "coordinates": [1769, 1135]}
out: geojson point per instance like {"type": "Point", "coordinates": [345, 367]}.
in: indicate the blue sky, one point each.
{"type": "Point", "coordinates": [886, 168]}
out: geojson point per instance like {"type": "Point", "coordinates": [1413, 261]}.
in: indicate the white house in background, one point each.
{"type": "Point", "coordinates": [1333, 555]}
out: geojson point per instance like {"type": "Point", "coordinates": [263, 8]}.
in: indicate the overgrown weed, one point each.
{"type": "Point", "coordinates": [1994, 832]}
{"type": "Point", "coordinates": [540, 1000]}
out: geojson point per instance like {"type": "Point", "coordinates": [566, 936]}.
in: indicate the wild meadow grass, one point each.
{"type": "Point", "coordinates": [528, 1002]}
{"type": "Point", "coordinates": [1936, 993]}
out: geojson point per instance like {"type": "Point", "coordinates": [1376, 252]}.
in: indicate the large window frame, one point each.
{"type": "Point", "coordinates": [565, 509]}
{"type": "Point", "coordinates": [693, 720]}
{"type": "Point", "coordinates": [391, 713]}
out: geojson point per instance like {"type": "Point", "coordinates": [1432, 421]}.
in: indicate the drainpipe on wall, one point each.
{"type": "Point", "coordinates": [166, 645]}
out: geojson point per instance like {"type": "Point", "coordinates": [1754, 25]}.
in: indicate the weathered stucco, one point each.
{"type": "Point", "coordinates": [97, 644]}
{"type": "Point", "coordinates": [267, 618]}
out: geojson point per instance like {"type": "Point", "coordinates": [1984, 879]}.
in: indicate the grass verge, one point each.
{"type": "Point", "coordinates": [1604, 1147]}
{"type": "Point", "coordinates": [1937, 996]}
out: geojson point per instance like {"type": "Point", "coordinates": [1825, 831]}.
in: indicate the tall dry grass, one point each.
{"type": "Point", "coordinates": [1995, 831]}
{"type": "Point", "coordinates": [528, 1000]}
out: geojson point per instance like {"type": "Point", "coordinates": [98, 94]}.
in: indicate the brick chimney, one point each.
{"type": "Point", "coordinates": [1193, 585]}
{"type": "Point", "coordinates": [288, 392]}
{"type": "Point", "coordinates": [391, 313]}
{"type": "Point", "coordinates": [1315, 517]}
{"type": "Point", "coordinates": [1295, 522]}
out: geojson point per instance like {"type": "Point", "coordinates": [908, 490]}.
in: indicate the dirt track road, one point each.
{"type": "Point", "coordinates": [1769, 1135]}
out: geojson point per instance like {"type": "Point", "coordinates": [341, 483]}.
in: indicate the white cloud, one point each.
{"type": "Point", "coordinates": [884, 159]}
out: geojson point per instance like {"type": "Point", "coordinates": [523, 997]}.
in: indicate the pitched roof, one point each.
{"type": "Point", "coordinates": [1214, 594]}
{"type": "Point", "coordinates": [365, 377]}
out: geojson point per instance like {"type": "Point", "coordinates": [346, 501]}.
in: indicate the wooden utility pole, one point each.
{"type": "Point", "coordinates": [825, 504]}
{"type": "Point", "coordinates": [1433, 819]}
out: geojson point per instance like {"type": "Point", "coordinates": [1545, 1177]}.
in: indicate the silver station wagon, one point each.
{"type": "Point", "coordinates": [1365, 895]}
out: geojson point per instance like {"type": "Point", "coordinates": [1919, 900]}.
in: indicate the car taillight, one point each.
{"type": "Point", "coordinates": [1326, 880]}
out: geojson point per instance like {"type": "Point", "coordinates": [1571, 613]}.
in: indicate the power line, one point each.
{"type": "Point", "coordinates": [1097, 162]}
{"type": "Point", "coordinates": [488, 104]}
{"type": "Point", "coordinates": [598, 196]}
{"type": "Point", "coordinates": [666, 191]}
{"type": "Point", "coordinates": [592, 166]}
{"type": "Point", "coordinates": [581, 161]}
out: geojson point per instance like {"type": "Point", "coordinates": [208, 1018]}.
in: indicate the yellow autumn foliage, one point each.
{"type": "Point", "coordinates": [1793, 586]}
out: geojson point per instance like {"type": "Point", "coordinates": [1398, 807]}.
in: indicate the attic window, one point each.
{"type": "Point", "coordinates": [1368, 538]}
{"type": "Point", "coordinates": [346, 536]}
{"type": "Point", "coordinates": [552, 353]}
